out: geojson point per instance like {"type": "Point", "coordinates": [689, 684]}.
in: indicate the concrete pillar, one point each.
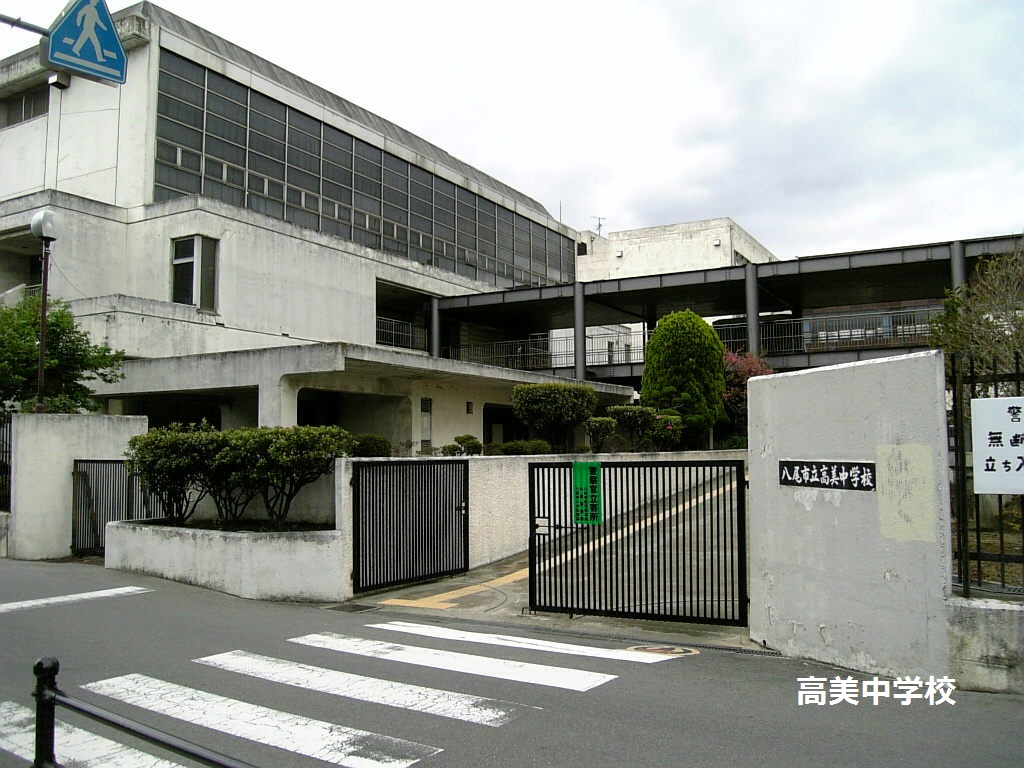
{"type": "Point", "coordinates": [753, 310]}
{"type": "Point", "coordinates": [435, 327]}
{"type": "Point", "coordinates": [957, 266]}
{"type": "Point", "coordinates": [279, 402]}
{"type": "Point", "coordinates": [579, 327]}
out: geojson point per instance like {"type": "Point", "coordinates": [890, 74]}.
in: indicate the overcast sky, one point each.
{"type": "Point", "coordinates": [819, 127]}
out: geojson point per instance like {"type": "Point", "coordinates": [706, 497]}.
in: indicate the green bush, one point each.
{"type": "Point", "coordinates": [469, 444]}
{"type": "Point", "coordinates": [451, 449]}
{"type": "Point", "coordinates": [368, 446]}
{"type": "Point", "coordinates": [684, 369]}
{"type": "Point", "coordinates": [635, 423]}
{"type": "Point", "coordinates": [524, 448]}
{"type": "Point", "coordinates": [553, 410]}
{"type": "Point", "coordinates": [599, 429]}
{"type": "Point", "coordinates": [169, 461]}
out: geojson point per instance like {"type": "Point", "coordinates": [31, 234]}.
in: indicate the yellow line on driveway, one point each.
{"type": "Point", "coordinates": [444, 600]}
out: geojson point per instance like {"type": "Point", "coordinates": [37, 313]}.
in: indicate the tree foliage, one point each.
{"type": "Point", "coordinates": [684, 370]}
{"type": "Point", "coordinates": [985, 317]}
{"type": "Point", "coordinates": [553, 410]}
{"type": "Point", "coordinates": [71, 358]}
{"type": "Point", "coordinates": [599, 429]}
{"type": "Point", "coordinates": [738, 370]}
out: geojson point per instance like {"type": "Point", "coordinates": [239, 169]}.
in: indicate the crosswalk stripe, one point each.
{"type": "Point", "coordinates": [512, 641]}
{"type": "Point", "coordinates": [74, 746]}
{"type": "Point", "coordinates": [313, 738]}
{"type": "Point", "coordinates": [75, 598]}
{"type": "Point", "coordinates": [458, 706]}
{"type": "Point", "coordinates": [538, 674]}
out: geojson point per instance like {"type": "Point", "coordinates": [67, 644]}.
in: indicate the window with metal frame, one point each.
{"type": "Point", "coordinates": [194, 272]}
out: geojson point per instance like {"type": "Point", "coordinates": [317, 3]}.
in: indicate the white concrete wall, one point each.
{"type": "Point", "coordinates": [43, 450]}
{"type": "Point", "coordinates": [23, 157]}
{"type": "Point", "coordinates": [986, 644]}
{"type": "Point", "coordinates": [847, 577]}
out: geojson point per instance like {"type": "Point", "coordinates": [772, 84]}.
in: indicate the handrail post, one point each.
{"type": "Point", "coordinates": [45, 670]}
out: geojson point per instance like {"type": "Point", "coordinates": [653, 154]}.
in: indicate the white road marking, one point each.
{"type": "Point", "coordinates": [73, 746]}
{"type": "Point", "coordinates": [511, 641]}
{"type": "Point", "coordinates": [458, 706]}
{"type": "Point", "coordinates": [538, 674]}
{"type": "Point", "coordinates": [312, 738]}
{"type": "Point", "coordinates": [62, 599]}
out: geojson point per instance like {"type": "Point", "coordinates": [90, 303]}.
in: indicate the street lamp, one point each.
{"type": "Point", "coordinates": [44, 226]}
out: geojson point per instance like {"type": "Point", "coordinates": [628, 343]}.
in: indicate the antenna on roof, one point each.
{"type": "Point", "coordinates": [600, 221]}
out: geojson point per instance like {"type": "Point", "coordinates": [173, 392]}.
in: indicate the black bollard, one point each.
{"type": "Point", "coordinates": [45, 670]}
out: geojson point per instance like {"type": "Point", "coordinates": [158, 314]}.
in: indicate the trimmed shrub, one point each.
{"type": "Point", "coordinates": [553, 410]}
{"type": "Point", "coordinates": [524, 448]}
{"type": "Point", "coordinates": [368, 446]}
{"type": "Point", "coordinates": [599, 429]}
{"type": "Point", "coordinates": [634, 423]}
{"type": "Point", "coordinates": [169, 461]}
{"type": "Point", "coordinates": [469, 444]}
{"type": "Point", "coordinates": [451, 449]}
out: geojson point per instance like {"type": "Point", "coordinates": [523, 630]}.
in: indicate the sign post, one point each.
{"type": "Point", "coordinates": [997, 432]}
{"type": "Point", "coordinates": [587, 502]}
{"type": "Point", "coordinates": [84, 40]}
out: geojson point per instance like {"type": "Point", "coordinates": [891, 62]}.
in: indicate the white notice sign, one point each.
{"type": "Point", "coordinates": [997, 428]}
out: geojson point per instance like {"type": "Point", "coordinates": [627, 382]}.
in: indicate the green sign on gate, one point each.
{"type": "Point", "coordinates": [587, 507]}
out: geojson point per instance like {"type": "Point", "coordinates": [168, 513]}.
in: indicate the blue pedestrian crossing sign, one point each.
{"type": "Point", "coordinates": [84, 40]}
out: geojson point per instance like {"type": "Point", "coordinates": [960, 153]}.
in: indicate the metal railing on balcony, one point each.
{"type": "Point", "coordinates": [398, 333]}
{"type": "Point", "coordinates": [787, 336]}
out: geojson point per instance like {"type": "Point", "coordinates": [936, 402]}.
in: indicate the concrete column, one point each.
{"type": "Point", "coordinates": [435, 327]}
{"type": "Point", "coordinates": [579, 316]}
{"type": "Point", "coordinates": [753, 310]}
{"type": "Point", "coordinates": [279, 402]}
{"type": "Point", "coordinates": [957, 266]}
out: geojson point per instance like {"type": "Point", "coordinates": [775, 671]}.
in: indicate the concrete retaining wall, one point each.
{"type": "Point", "coordinates": [43, 450]}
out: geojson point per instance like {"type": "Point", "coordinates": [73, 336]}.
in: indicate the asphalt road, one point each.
{"type": "Point", "coordinates": [434, 689]}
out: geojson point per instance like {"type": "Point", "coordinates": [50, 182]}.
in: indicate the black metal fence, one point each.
{"type": "Point", "coordinates": [670, 543]}
{"type": "Point", "coordinates": [988, 535]}
{"type": "Point", "coordinates": [410, 521]}
{"type": "Point", "coordinates": [6, 422]}
{"type": "Point", "coordinates": [104, 491]}
{"type": "Point", "coordinates": [48, 697]}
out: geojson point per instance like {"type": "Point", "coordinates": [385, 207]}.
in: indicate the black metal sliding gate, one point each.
{"type": "Point", "coordinates": [410, 521]}
{"type": "Point", "coordinates": [671, 545]}
{"type": "Point", "coordinates": [104, 491]}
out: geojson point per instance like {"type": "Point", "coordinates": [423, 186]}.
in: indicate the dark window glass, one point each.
{"type": "Point", "coordinates": [189, 183]}
{"type": "Point", "coordinates": [337, 138]}
{"type": "Point", "coordinates": [370, 239]}
{"type": "Point", "coordinates": [367, 186]}
{"type": "Point", "coordinates": [257, 183]}
{"type": "Point", "coordinates": [396, 197]}
{"type": "Point", "coordinates": [364, 203]}
{"type": "Point", "coordinates": [396, 180]}
{"type": "Point", "coordinates": [162, 194]}
{"type": "Point", "coordinates": [166, 152]}
{"type": "Point", "coordinates": [367, 168]}
{"type": "Point", "coordinates": [336, 192]}
{"type": "Point", "coordinates": [396, 164]}
{"type": "Point", "coordinates": [224, 151]}
{"type": "Point", "coordinates": [396, 214]}
{"type": "Point", "coordinates": [466, 241]}
{"type": "Point", "coordinates": [230, 195]}
{"type": "Point", "coordinates": [226, 108]}
{"type": "Point", "coordinates": [487, 248]}
{"type": "Point", "coordinates": [447, 203]}
{"type": "Point", "coordinates": [267, 126]}
{"type": "Point", "coordinates": [504, 214]}
{"type": "Point", "coordinates": [486, 220]}
{"type": "Point", "coordinates": [538, 230]}
{"type": "Point", "coordinates": [420, 223]}
{"type": "Point", "coordinates": [465, 196]}
{"type": "Point", "coordinates": [265, 146]}
{"type": "Point", "coordinates": [303, 122]}
{"type": "Point", "coordinates": [191, 161]}
{"type": "Point", "coordinates": [467, 211]}
{"type": "Point", "coordinates": [304, 141]}
{"type": "Point", "coordinates": [421, 191]}
{"type": "Point", "coordinates": [312, 203]}
{"type": "Point", "coordinates": [181, 292]}
{"type": "Point", "coordinates": [302, 218]}
{"type": "Point", "coordinates": [447, 233]}
{"type": "Point", "coordinates": [446, 218]}
{"type": "Point", "coordinates": [182, 67]}
{"type": "Point", "coordinates": [303, 160]}
{"type": "Point", "coordinates": [444, 186]}
{"type": "Point", "coordinates": [267, 106]}
{"type": "Point", "coordinates": [214, 169]}
{"type": "Point", "coordinates": [227, 88]}
{"type": "Point", "coordinates": [505, 228]}
{"type": "Point", "coordinates": [419, 175]}
{"type": "Point", "coordinates": [367, 151]}
{"type": "Point", "coordinates": [306, 181]}
{"type": "Point", "coordinates": [465, 225]}
{"type": "Point", "coordinates": [485, 205]}
{"type": "Point", "coordinates": [421, 207]}
{"type": "Point", "coordinates": [179, 134]}
{"type": "Point", "coordinates": [263, 205]}
{"type": "Point", "coordinates": [181, 89]}
{"type": "Point", "coordinates": [336, 228]}
{"type": "Point", "coordinates": [337, 174]}
{"type": "Point", "coordinates": [275, 189]}
{"type": "Point", "coordinates": [486, 235]}
{"type": "Point", "coordinates": [225, 129]}
{"type": "Point", "coordinates": [266, 166]}
{"type": "Point", "coordinates": [338, 156]}
{"type": "Point", "coordinates": [294, 196]}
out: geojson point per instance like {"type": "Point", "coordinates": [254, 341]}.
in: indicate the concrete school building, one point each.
{"type": "Point", "coordinates": [269, 253]}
